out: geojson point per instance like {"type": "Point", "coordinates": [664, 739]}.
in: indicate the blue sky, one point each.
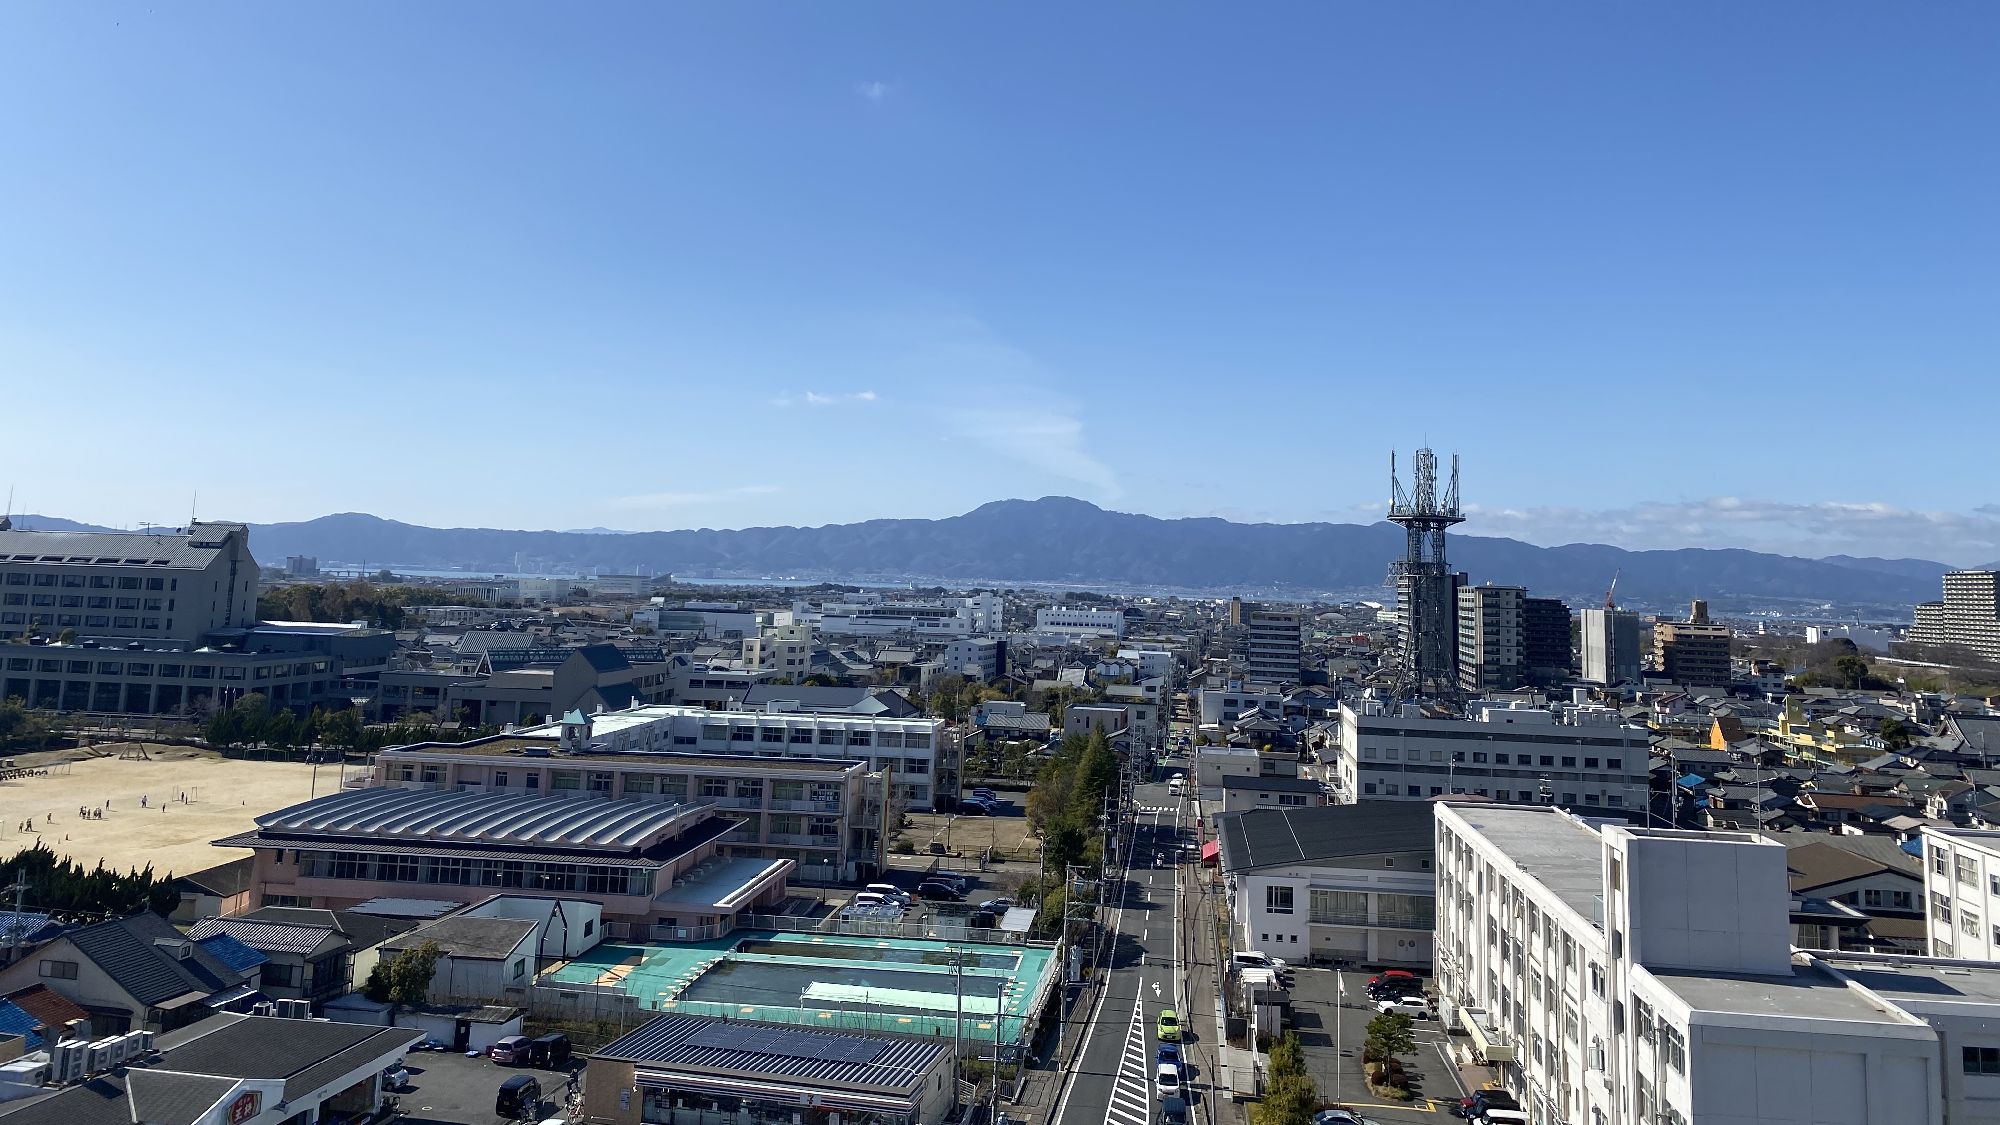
{"type": "Point", "coordinates": [1691, 274]}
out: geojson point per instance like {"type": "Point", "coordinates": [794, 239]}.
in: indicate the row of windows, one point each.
{"type": "Point", "coordinates": [87, 621]}
{"type": "Point", "coordinates": [472, 872]}
{"type": "Point", "coordinates": [90, 582]}
{"type": "Point", "coordinates": [80, 601]}
{"type": "Point", "coordinates": [1526, 796]}
{"type": "Point", "coordinates": [1568, 761]}
{"type": "Point", "coordinates": [141, 669]}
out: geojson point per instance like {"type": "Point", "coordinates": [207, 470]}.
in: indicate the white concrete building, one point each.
{"type": "Point", "coordinates": [871, 615]}
{"type": "Point", "coordinates": [1608, 640]}
{"type": "Point", "coordinates": [1624, 976]}
{"type": "Point", "coordinates": [1575, 756]}
{"type": "Point", "coordinates": [1962, 892]}
{"type": "Point", "coordinates": [781, 652]}
{"type": "Point", "coordinates": [1864, 638]}
{"type": "Point", "coordinates": [975, 658]}
{"type": "Point", "coordinates": [1217, 705]}
{"type": "Point", "coordinates": [1344, 882]}
{"type": "Point", "coordinates": [1149, 663]}
{"type": "Point", "coordinates": [1075, 622]}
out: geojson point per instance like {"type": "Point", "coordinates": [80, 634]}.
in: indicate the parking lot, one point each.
{"type": "Point", "coordinates": [1331, 1028]}
{"type": "Point", "coordinates": [450, 1089]}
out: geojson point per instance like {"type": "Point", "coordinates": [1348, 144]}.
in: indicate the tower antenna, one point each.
{"type": "Point", "coordinates": [1426, 589]}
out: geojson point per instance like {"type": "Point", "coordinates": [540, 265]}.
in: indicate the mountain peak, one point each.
{"type": "Point", "coordinates": [1066, 505]}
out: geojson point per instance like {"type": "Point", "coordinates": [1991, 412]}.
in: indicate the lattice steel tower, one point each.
{"type": "Point", "coordinates": [1426, 588]}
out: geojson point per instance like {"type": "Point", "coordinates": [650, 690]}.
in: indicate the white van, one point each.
{"type": "Point", "coordinates": [889, 891]}
{"type": "Point", "coordinates": [1178, 785]}
{"type": "Point", "coordinates": [1254, 959]}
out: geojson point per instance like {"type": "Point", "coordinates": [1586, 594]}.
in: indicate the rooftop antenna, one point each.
{"type": "Point", "coordinates": [7, 517]}
{"type": "Point", "coordinates": [192, 501]}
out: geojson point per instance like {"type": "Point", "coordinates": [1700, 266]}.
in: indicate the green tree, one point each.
{"type": "Point", "coordinates": [1895, 733]}
{"type": "Point", "coordinates": [1388, 1035]}
{"type": "Point", "coordinates": [410, 974]}
{"type": "Point", "coordinates": [1290, 1098]}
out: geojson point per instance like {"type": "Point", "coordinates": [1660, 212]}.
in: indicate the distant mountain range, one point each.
{"type": "Point", "coordinates": [1061, 540]}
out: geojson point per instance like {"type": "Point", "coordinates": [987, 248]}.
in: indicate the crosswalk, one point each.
{"type": "Point", "coordinates": [1148, 810]}
{"type": "Point", "coordinates": [1131, 1100]}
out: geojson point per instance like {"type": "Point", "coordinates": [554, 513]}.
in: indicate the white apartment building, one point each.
{"type": "Point", "coordinates": [870, 615]}
{"type": "Point", "coordinates": [1273, 648]}
{"type": "Point", "coordinates": [975, 658]}
{"type": "Point", "coordinates": [1575, 756]}
{"type": "Point", "coordinates": [1342, 882]}
{"type": "Point", "coordinates": [1074, 622]}
{"type": "Point", "coordinates": [920, 756]}
{"type": "Point", "coordinates": [1624, 976]}
{"type": "Point", "coordinates": [1148, 663]}
{"type": "Point", "coordinates": [782, 652]}
{"type": "Point", "coordinates": [1962, 893]}
{"type": "Point", "coordinates": [1218, 705]}
{"type": "Point", "coordinates": [1967, 618]}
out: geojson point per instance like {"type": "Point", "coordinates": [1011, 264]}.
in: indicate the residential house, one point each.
{"type": "Point", "coordinates": [1332, 883]}
{"type": "Point", "coordinates": [134, 973]}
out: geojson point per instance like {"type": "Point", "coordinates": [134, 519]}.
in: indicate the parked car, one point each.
{"type": "Point", "coordinates": [1170, 1052]}
{"type": "Point", "coordinates": [1492, 1097]}
{"type": "Point", "coordinates": [1388, 975]}
{"type": "Point", "coordinates": [974, 807]}
{"type": "Point", "coordinates": [1173, 1111]}
{"type": "Point", "coordinates": [519, 1097]}
{"type": "Point", "coordinates": [1341, 1117]}
{"type": "Point", "coordinates": [1502, 1117]}
{"type": "Point", "coordinates": [958, 879]}
{"type": "Point", "coordinates": [1169, 1026]}
{"type": "Point", "coordinates": [551, 1051]}
{"type": "Point", "coordinates": [396, 1077]}
{"type": "Point", "coordinates": [996, 904]}
{"type": "Point", "coordinates": [1416, 1007]}
{"type": "Point", "coordinates": [1167, 1079]}
{"type": "Point", "coordinates": [1254, 959]}
{"type": "Point", "coordinates": [888, 891]}
{"type": "Point", "coordinates": [509, 1050]}
{"type": "Point", "coordinates": [934, 891]}
{"type": "Point", "coordinates": [985, 794]}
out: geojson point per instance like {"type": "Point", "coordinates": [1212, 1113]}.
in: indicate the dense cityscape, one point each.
{"type": "Point", "coordinates": [961, 564]}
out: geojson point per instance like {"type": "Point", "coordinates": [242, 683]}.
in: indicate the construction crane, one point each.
{"type": "Point", "coordinates": [1610, 595]}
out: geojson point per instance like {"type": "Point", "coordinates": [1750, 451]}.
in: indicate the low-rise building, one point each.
{"type": "Point", "coordinates": [731, 1072]}
{"type": "Point", "coordinates": [238, 1070]}
{"type": "Point", "coordinates": [1241, 794]}
{"type": "Point", "coordinates": [136, 973]}
{"type": "Point", "coordinates": [1339, 883]}
{"type": "Point", "coordinates": [653, 867]}
{"type": "Point", "coordinates": [1081, 623]}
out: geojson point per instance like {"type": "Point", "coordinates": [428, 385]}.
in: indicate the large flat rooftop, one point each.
{"type": "Point", "coordinates": [1806, 993]}
{"type": "Point", "coordinates": [1923, 982]}
{"type": "Point", "coordinates": [451, 816]}
{"type": "Point", "coordinates": [521, 746]}
{"type": "Point", "coordinates": [1550, 846]}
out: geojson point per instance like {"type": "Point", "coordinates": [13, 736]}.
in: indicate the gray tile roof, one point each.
{"type": "Point", "coordinates": [270, 937]}
{"type": "Point", "coordinates": [167, 551]}
{"type": "Point", "coordinates": [1282, 837]}
{"type": "Point", "coordinates": [165, 1097]}
{"type": "Point", "coordinates": [125, 949]}
{"type": "Point", "coordinates": [100, 1101]}
{"type": "Point", "coordinates": [305, 1053]}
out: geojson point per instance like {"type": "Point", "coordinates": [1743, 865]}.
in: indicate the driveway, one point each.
{"type": "Point", "coordinates": [1331, 1028]}
{"type": "Point", "coordinates": [450, 1089]}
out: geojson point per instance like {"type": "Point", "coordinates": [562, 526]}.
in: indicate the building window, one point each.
{"type": "Point", "coordinates": [1968, 871]}
{"type": "Point", "coordinates": [59, 970]}
{"type": "Point", "coordinates": [1938, 862]}
{"type": "Point", "coordinates": [1277, 900]}
{"type": "Point", "coordinates": [1982, 1060]}
{"type": "Point", "coordinates": [1673, 1050]}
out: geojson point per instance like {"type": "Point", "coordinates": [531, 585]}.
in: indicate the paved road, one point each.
{"type": "Point", "coordinates": [1113, 1081]}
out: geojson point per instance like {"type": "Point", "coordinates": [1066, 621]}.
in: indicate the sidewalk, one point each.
{"type": "Point", "coordinates": [1202, 976]}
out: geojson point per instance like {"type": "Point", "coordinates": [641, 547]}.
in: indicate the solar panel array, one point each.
{"type": "Point", "coordinates": [785, 1042]}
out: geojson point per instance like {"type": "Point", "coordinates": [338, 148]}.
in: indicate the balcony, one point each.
{"type": "Point", "coordinates": [828, 806]}
{"type": "Point", "coordinates": [735, 802]}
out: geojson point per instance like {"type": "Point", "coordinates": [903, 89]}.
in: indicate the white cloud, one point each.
{"type": "Point", "coordinates": [1784, 527]}
{"type": "Point", "coordinates": [816, 398]}
{"type": "Point", "coordinates": [651, 500]}
{"type": "Point", "coordinates": [874, 91]}
{"type": "Point", "coordinates": [1050, 440]}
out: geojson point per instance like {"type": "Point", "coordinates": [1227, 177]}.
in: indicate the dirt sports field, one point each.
{"type": "Point", "coordinates": [192, 796]}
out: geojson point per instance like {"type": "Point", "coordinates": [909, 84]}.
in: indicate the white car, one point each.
{"type": "Point", "coordinates": [1416, 1007]}
{"type": "Point", "coordinates": [1167, 1080]}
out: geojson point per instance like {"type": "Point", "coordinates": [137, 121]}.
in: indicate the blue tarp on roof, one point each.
{"type": "Point", "coordinates": [232, 952]}
{"type": "Point", "coordinates": [1691, 781]}
{"type": "Point", "coordinates": [15, 1020]}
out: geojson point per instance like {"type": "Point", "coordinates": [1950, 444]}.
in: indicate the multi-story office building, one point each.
{"type": "Point", "coordinates": [1695, 652]}
{"type": "Point", "coordinates": [1545, 642]}
{"type": "Point", "coordinates": [782, 652]}
{"type": "Point", "coordinates": [1081, 623]}
{"type": "Point", "coordinates": [1274, 651]}
{"type": "Point", "coordinates": [1491, 633]}
{"type": "Point", "coordinates": [1610, 646]}
{"type": "Point", "coordinates": [1625, 976]}
{"type": "Point", "coordinates": [163, 625]}
{"type": "Point", "coordinates": [920, 757]}
{"type": "Point", "coordinates": [1968, 618]}
{"type": "Point", "coordinates": [150, 588]}
{"type": "Point", "coordinates": [1576, 756]}
{"type": "Point", "coordinates": [823, 814]}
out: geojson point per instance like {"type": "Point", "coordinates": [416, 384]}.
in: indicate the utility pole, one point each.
{"type": "Point", "coordinates": [19, 888]}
